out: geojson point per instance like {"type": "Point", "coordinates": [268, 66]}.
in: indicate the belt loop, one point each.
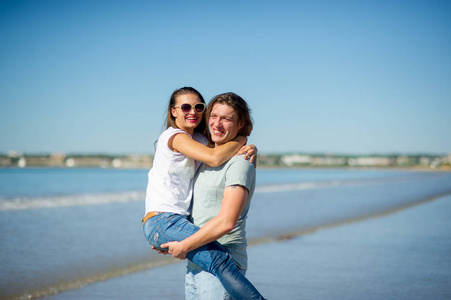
{"type": "Point", "coordinates": [148, 216]}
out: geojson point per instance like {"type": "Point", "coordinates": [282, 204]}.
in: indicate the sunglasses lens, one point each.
{"type": "Point", "coordinates": [185, 108]}
{"type": "Point", "coordinates": [199, 107]}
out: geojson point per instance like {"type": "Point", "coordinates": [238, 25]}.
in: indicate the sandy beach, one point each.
{"type": "Point", "coordinates": [401, 255]}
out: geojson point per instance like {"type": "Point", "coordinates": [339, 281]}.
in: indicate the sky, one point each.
{"type": "Point", "coordinates": [335, 77]}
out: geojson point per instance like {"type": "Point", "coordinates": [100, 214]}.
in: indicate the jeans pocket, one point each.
{"type": "Point", "coordinates": [155, 231]}
{"type": "Point", "coordinates": [152, 230]}
{"type": "Point", "coordinates": [154, 238]}
{"type": "Point", "coordinates": [168, 227]}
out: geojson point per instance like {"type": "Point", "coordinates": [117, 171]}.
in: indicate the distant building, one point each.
{"type": "Point", "coordinates": [370, 161]}
{"type": "Point", "coordinates": [296, 159]}
{"type": "Point", "coordinates": [132, 161]}
{"type": "Point", "coordinates": [425, 161]}
{"type": "Point", "coordinates": [52, 160]}
{"type": "Point", "coordinates": [22, 162]}
{"type": "Point", "coordinates": [15, 159]}
{"type": "Point", "coordinates": [88, 161]}
{"type": "Point", "coordinates": [328, 161]}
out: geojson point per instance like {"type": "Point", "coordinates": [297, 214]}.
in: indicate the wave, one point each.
{"type": "Point", "coordinates": [163, 261]}
{"type": "Point", "coordinates": [24, 203]}
{"type": "Point", "coordinates": [344, 182]}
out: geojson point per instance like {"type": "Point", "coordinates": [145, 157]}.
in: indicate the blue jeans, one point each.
{"type": "Point", "coordinates": [213, 257]}
{"type": "Point", "coordinates": [201, 285]}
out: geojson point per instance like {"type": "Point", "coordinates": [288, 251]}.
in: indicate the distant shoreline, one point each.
{"type": "Point", "coordinates": [412, 168]}
{"type": "Point", "coordinates": [395, 168]}
{"type": "Point", "coordinates": [60, 160]}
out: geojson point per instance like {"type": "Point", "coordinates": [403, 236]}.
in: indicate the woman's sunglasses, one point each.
{"type": "Point", "coordinates": [186, 108]}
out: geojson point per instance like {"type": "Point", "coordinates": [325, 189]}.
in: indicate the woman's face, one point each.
{"type": "Point", "coordinates": [190, 120]}
{"type": "Point", "coordinates": [223, 124]}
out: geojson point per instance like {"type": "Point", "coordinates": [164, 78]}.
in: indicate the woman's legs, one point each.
{"type": "Point", "coordinates": [213, 257]}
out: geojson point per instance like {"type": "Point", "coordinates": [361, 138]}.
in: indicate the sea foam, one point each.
{"type": "Point", "coordinates": [24, 203]}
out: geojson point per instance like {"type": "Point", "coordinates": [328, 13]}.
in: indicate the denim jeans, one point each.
{"type": "Point", "coordinates": [201, 285]}
{"type": "Point", "coordinates": [213, 257]}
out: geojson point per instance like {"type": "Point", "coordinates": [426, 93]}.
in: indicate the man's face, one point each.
{"type": "Point", "coordinates": [223, 124]}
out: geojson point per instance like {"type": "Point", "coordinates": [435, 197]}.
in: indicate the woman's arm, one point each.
{"type": "Point", "coordinates": [235, 197]}
{"type": "Point", "coordinates": [214, 157]}
{"type": "Point", "coordinates": [250, 152]}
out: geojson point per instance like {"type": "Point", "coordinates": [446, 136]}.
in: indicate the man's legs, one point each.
{"type": "Point", "coordinates": [212, 257]}
{"type": "Point", "coordinates": [201, 285]}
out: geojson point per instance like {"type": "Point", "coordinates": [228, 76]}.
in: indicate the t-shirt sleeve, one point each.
{"type": "Point", "coordinates": [168, 133]}
{"type": "Point", "coordinates": [198, 137]}
{"type": "Point", "coordinates": [240, 172]}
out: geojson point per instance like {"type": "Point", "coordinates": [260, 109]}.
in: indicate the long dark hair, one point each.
{"type": "Point", "coordinates": [170, 120]}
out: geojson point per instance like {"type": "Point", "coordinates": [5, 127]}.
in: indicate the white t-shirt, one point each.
{"type": "Point", "coordinates": [170, 180]}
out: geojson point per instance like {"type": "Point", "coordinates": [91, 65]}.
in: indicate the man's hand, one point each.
{"type": "Point", "coordinates": [175, 249]}
{"type": "Point", "coordinates": [249, 151]}
{"type": "Point", "coordinates": [160, 251]}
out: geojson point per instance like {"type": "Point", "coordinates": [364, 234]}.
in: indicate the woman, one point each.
{"type": "Point", "coordinates": [170, 186]}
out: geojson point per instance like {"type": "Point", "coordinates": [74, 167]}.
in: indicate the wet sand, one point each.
{"type": "Point", "coordinates": [402, 255]}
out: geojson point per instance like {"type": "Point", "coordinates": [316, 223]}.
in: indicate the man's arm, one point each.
{"type": "Point", "coordinates": [235, 197]}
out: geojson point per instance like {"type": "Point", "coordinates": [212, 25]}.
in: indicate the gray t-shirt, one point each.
{"type": "Point", "coordinates": [209, 185]}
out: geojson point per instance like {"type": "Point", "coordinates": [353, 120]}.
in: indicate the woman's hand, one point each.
{"type": "Point", "coordinates": [175, 249]}
{"type": "Point", "coordinates": [250, 152]}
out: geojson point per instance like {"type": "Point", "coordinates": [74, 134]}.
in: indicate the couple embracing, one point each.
{"type": "Point", "coordinates": [199, 192]}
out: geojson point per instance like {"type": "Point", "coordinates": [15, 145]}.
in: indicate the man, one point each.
{"type": "Point", "coordinates": [222, 198]}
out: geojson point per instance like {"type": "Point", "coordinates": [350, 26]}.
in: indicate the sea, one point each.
{"type": "Point", "coordinates": [65, 229]}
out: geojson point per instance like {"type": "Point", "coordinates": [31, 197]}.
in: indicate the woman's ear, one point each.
{"type": "Point", "coordinates": [174, 112]}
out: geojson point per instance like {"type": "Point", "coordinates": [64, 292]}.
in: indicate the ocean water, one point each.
{"type": "Point", "coordinates": [61, 229]}
{"type": "Point", "coordinates": [397, 256]}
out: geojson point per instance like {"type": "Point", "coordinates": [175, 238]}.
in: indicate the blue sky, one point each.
{"type": "Point", "coordinates": [343, 77]}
